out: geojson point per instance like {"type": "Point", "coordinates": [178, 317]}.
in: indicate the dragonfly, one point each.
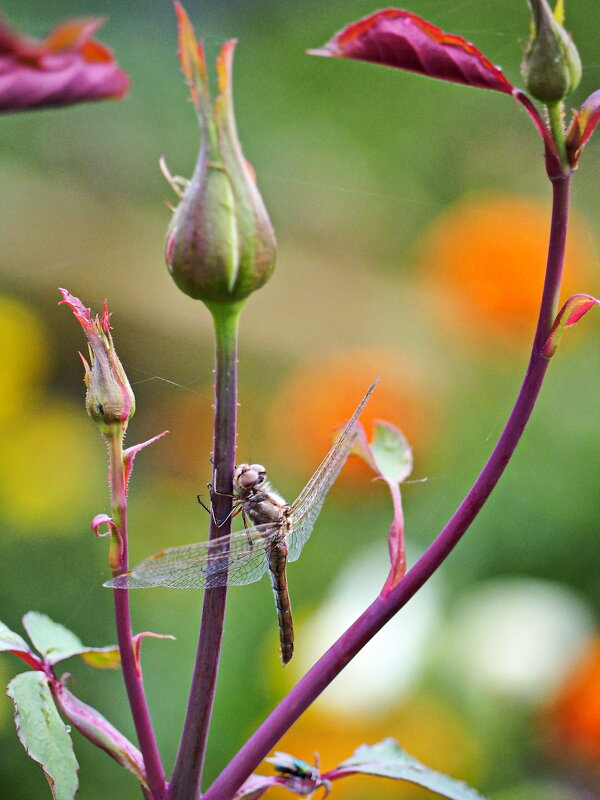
{"type": "Point", "coordinates": [273, 534]}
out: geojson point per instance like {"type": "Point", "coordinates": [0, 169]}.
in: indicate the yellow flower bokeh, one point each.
{"type": "Point", "coordinates": [50, 469]}
{"type": "Point", "coordinates": [50, 456]}
{"type": "Point", "coordinates": [23, 356]}
{"type": "Point", "coordinates": [425, 728]}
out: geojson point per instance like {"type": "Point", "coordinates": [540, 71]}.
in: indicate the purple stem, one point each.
{"type": "Point", "coordinates": [132, 676]}
{"type": "Point", "coordinates": [384, 608]}
{"type": "Point", "coordinates": [187, 773]}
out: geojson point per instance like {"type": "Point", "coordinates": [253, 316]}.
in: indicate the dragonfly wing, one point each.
{"type": "Point", "coordinates": [302, 530]}
{"type": "Point", "coordinates": [308, 505]}
{"type": "Point", "coordinates": [233, 560]}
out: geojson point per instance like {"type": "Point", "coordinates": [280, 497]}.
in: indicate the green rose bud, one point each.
{"type": "Point", "coordinates": [220, 243]}
{"type": "Point", "coordinates": [551, 67]}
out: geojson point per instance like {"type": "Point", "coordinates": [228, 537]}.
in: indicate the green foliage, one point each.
{"type": "Point", "coordinates": [391, 452]}
{"type": "Point", "coordinates": [43, 734]}
{"type": "Point", "coordinates": [9, 640]}
{"type": "Point", "coordinates": [57, 643]}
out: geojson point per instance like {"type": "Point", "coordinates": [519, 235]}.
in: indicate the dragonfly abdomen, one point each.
{"type": "Point", "coordinates": [277, 560]}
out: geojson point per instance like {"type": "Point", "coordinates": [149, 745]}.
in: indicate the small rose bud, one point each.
{"type": "Point", "coordinates": [551, 67]}
{"type": "Point", "coordinates": [110, 401]}
{"type": "Point", "coordinates": [220, 243]}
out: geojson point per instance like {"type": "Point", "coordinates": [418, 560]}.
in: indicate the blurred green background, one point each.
{"type": "Point", "coordinates": [411, 217]}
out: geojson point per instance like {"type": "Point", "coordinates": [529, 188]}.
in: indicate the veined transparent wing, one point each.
{"type": "Point", "coordinates": [307, 506]}
{"type": "Point", "coordinates": [239, 558]}
{"type": "Point", "coordinates": [233, 560]}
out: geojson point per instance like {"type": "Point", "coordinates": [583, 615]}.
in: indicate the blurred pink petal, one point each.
{"type": "Point", "coordinates": [66, 67]}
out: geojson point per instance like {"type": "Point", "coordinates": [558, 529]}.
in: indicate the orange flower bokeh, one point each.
{"type": "Point", "coordinates": [485, 258]}
{"type": "Point", "coordinates": [185, 460]}
{"type": "Point", "coordinates": [575, 715]}
{"type": "Point", "coordinates": [295, 432]}
{"type": "Point", "coordinates": [321, 395]}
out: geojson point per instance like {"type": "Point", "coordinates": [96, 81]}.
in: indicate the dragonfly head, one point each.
{"type": "Point", "coordinates": [247, 476]}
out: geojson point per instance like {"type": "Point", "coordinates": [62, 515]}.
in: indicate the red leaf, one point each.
{"type": "Point", "coordinates": [572, 311]}
{"type": "Point", "coordinates": [137, 645]}
{"type": "Point", "coordinates": [116, 548]}
{"type": "Point", "coordinates": [255, 787]}
{"type": "Point", "coordinates": [66, 67]}
{"type": "Point", "coordinates": [401, 39]}
{"type": "Point", "coordinates": [131, 452]}
{"type": "Point", "coordinates": [11, 642]}
{"type": "Point", "coordinates": [99, 731]}
{"type": "Point", "coordinates": [583, 125]}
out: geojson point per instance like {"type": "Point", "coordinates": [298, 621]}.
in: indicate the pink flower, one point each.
{"type": "Point", "coordinates": [66, 67]}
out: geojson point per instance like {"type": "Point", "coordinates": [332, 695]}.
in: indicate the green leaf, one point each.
{"type": "Point", "coordinates": [391, 452]}
{"type": "Point", "coordinates": [9, 640]}
{"type": "Point", "coordinates": [43, 734]}
{"type": "Point", "coordinates": [388, 760]}
{"type": "Point", "coordinates": [388, 454]}
{"type": "Point", "coordinates": [56, 643]}
{"type": "Point", "coordinates": [52, 640]}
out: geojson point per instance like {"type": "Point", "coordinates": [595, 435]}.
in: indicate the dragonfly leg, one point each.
{"type": "Point", "coordinates": [233, 512]}
{"type": "Point", "coordinates": [247, 528]}
{"type": "Point", "coordinates": [210, 510]}
{"type": "Point", "coordinates": [212, 490]}
{"type": "Point", "coordinates": [203, 504]}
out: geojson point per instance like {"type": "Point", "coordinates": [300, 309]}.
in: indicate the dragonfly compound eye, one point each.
{"type": "Point", "coordinates": [260, 471]}
{"type": "Point", "coordinates": [247, 476]}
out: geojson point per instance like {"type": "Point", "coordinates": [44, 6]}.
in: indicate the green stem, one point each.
{"type": "Point", "coordinates": [187, 773]}
{"type": "Point", "coordinates": [557, 129]}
